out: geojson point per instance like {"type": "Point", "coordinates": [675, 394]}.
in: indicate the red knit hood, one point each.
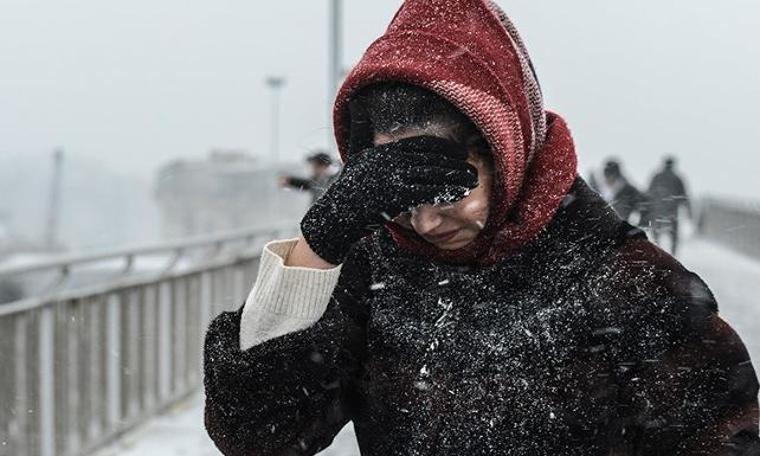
{"type": "Point", "coordinates": [468, 52]}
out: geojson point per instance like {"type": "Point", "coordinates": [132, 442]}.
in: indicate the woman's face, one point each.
{"type": "Point", "coordinates": [448, 227]}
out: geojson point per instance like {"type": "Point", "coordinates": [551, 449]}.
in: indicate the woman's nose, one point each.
{"type": "Point", "coordinates": [425, 219]}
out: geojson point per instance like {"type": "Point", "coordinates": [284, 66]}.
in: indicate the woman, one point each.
{"type": "Point", "coordinates": [460, 291]}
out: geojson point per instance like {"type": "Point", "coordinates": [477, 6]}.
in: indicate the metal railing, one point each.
{"type": "Point", "coordinates": [733, 224]}
{"type": "Point", "coordinates": [82, 364]}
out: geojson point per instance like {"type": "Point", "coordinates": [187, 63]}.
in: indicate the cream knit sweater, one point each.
{"type": "Point", "coordinates": [284, 299]}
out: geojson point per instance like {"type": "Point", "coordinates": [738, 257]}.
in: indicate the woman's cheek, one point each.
{"type": "Point", "coordinates": [474, 210]}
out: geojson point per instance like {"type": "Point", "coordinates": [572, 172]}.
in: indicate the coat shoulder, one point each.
{"type": "Point", "coordinates": [650, 299]}
{"type": "Point", "coordinates": [652, 272]}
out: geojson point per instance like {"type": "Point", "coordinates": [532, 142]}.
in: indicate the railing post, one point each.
{"type": "Point", "coordinates": [240, 284]}
{"type": "Point", "coordinates": [164, 340]}
{"type": "Point", "coordinates": [17, 430]}
{"type": "Point", "coordinates": [71, 316]}
{"type": "Point", "coordinates": [192, 316]}
{"type": "Point", "coordinates": [7, 389]}
{"type": "Point", "coordinates": [131, 314]}
{"type": "Point", "coordinates": [149, 347]}
{"type": "Point", "coordinates": [113, 359]}
{"type": "Point", "coordinates": [179, 308]}
{"type": "Point", "coordinates": [46, 382]}
{"type": "Point", "coordinates": [205, 310]}
{"type": "Point", "coordinates": [95, 401]}
{"type": "Point", "coordinates": [103, 362]}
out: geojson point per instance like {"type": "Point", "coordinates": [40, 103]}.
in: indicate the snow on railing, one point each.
{"type": "Point", "coordinates": [84, 361]}
{"type": "Point", "coordinates": [732, 223]}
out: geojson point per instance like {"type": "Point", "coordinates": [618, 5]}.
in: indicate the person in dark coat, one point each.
{"type": "Point", "coordinates": [321, 176]}
{"type": "Point", "coordinates": [667, 194]}
{"type": "Point", "coordinates": [622, 195]}
{"type": "Point", "coordinates": [459, 290]}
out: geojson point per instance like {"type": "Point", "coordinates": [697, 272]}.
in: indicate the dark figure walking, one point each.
{"type": "Point", "coordinates": [321, 176]}
{"type": "Point", "coordinates": [621, 194]}
{"type": "Point", "coordinates": [459, 290]}
{"type": "Point", "coordinates": [667, 194]}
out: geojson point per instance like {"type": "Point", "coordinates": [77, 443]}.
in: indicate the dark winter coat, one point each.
{"type": "Point", "coordinates": [590, 341]}
{"type": "Point", "coordinates": [667, 193]}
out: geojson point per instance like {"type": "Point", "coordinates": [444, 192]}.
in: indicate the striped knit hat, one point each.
{"type": "Point", "coordinates": [468, 52]}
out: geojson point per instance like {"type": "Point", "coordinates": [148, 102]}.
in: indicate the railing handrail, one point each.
{"type": "Point", "coordinates": [733, 223]}
{"type": "Point", "coordinates": [145, 250]}
{"type": "Point", "coordinates": [38, 301]}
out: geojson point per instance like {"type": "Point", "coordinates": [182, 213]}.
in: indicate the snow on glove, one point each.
{"type": "Point", "coordinates": [380, 183]}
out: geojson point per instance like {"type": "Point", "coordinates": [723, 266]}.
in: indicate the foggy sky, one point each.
{"type": "Point", "coordinates": [135, 84]}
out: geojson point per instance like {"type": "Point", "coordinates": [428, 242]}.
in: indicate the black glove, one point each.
{"type": "Point", "coordinates": [380, 183]}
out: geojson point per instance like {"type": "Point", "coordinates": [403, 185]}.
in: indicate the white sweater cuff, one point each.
{"type": "Point", "coordinates": [284, 299]}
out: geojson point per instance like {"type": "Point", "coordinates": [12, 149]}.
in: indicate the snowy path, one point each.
{"type": "Point", "coordinates": [734, 279]}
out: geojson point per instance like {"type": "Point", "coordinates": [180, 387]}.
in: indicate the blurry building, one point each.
{"type": "Point", "coordinates": [228, 190]}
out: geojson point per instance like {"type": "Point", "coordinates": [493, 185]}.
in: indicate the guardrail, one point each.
{"type": "Point", "coordinates": [82, 364]}
{"type": "Point", "coordinates": [733, 224]}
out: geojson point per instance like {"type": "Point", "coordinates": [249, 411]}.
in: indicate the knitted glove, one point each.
{"type": "Point", "coordinates": [380, 183]}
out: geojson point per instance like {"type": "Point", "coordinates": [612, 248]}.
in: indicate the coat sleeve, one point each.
{"type": "Point", "coordinates": [289, 395]}
{"type": "Point", "coordinates": [684, 380]}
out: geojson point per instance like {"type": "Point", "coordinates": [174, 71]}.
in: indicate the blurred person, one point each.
{"type": "Point", "coordinates": [626, 199]}
{"type": "Point", "coordinates": [459, 290]}
{"type": "Point", "coordinates": [667, 194]}
{"type": "Point", "coordinates": [321, 177]}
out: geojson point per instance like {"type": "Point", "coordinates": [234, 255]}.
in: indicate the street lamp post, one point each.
{"type": "Point", "coordinates": [54, 204]}
{"type": "Point", "coordinates": [275, 83]}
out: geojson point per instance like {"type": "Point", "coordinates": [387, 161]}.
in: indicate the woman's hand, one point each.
{"type": "Point", "coordinates": [380, 183]}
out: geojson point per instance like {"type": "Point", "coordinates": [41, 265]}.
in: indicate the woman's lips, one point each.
{"type": "Point", "coordinates": [440, 238]}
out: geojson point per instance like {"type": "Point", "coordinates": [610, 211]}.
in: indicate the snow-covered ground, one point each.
{"type": "Point", "coordinates": [734, 279]}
